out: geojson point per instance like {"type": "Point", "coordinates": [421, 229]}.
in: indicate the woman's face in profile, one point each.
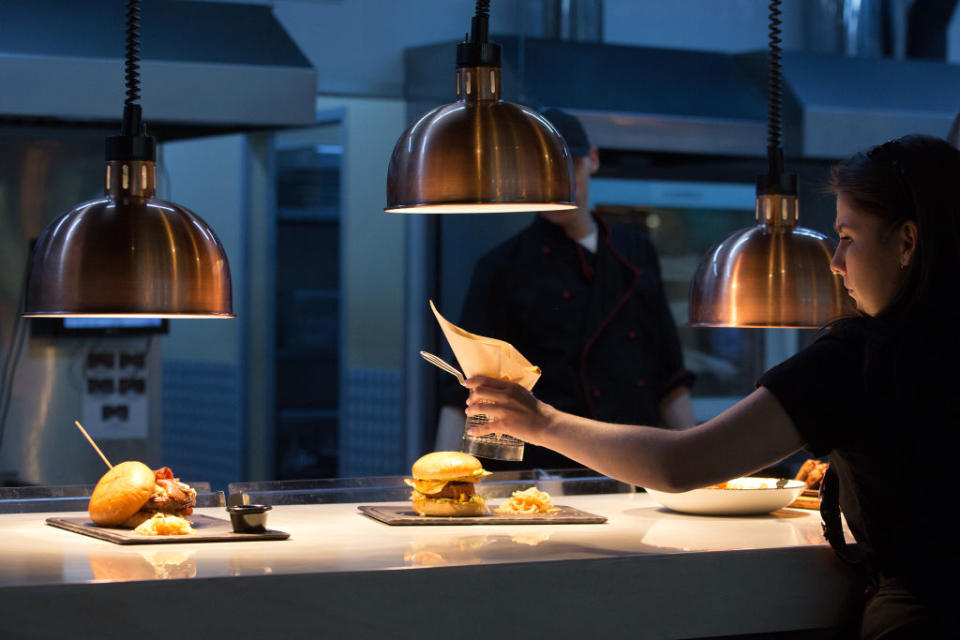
{"type": "Point", "coordinates": [868, 257]}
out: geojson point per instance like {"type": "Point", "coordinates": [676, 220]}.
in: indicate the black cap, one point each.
{"type": "Point", "coordinates": [775, 180]}
{"type": "Point", "coordinates": [130, 148]}
{"type": "Point", "coordinates": [572, 131]}
{"type": "Point", "coordinates": [476, 50]}
{"type": "Point", "coordinates": [470, 54]}
{"type": "Point", "coordinates": [784, 184]}
{"type": "Point", "coordinates": [133, 143]}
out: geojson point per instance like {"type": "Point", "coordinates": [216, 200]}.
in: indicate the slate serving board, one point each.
{"type": "Point", "coordinates": [405, 515]}
{"type": "Point", "coordinates": [209, 529]}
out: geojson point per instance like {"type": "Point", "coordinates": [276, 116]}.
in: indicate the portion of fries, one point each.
{"type": "Point", "coordinates": [529, 500]}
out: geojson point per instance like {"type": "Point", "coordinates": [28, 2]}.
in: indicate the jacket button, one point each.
{"type": "Point", "coordinates": [632, 335]}
{"type": "Point", "coordinates": [596, 393]}
{"type": "Point", "coordinates": [566, 295]}
{"type": "Point", "coordinates": [545, 250]}
{"type": "Point", "coordinates": [641, 382]}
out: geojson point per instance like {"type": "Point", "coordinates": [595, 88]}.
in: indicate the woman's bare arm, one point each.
{"type": "Point", "coordinates": [748, 436]}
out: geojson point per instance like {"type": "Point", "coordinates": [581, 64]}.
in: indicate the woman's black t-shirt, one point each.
{"type": "Point", "coordinates": [887, 415]}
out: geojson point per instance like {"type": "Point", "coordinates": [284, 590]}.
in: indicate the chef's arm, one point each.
{"type": "Point", "coordinates": [676, 408]}
{"type": "Point", "coordinates": [450, 429]}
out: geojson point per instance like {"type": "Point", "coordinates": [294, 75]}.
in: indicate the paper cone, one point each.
{"type": "Point", "coordinates": [478, 355]}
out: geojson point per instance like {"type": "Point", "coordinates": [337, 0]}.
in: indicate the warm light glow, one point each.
{"type": "Point", "coordinates": [505, 207]}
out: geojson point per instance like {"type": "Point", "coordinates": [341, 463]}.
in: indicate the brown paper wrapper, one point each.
{"type": "Point", "coordinates": [479, 355]}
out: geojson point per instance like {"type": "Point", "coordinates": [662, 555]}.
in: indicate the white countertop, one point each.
{"type": "Point", "coordinates": [642, 547]}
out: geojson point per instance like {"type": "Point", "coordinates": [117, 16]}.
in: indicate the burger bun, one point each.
{"type": "Point", "coordinates": [121, 492]}
{"type": "Point", "coordinates": [446, 465]}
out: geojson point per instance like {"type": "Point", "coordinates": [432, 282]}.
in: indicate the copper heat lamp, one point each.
{"type": "Point", "coordinates": [774, 274]}
{"type": "Point", "coordinates": [480, 154]}
{"type": "Point", "coordinates": [129, 254]}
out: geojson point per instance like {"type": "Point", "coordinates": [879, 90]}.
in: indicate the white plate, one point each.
{"type": "Point", "coordinates": [732, 502]}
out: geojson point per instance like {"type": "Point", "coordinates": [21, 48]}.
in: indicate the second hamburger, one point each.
{"type": "Point", "coordinates": [443, 485]}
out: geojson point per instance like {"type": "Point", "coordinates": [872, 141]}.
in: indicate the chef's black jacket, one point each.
{"type": "Point", "coordinates": [597, 325]}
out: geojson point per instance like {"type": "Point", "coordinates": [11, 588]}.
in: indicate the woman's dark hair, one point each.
{"type": "Point", "coordinates": [911, 346]}
{"type": "Point", "coordinates": [912, 178]}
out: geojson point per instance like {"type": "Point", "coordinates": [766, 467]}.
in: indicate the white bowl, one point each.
{"type": "Point", "coordinates": [755, 498]}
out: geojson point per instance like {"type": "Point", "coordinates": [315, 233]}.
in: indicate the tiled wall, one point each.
{"type": "Point", "coordinates": [202, 427]}
{"type": "Point", "coordinates": [371, 432]}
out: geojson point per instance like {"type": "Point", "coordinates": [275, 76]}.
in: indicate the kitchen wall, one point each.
{"type": "Point", "coordinates": [208, 365]}
{"type": "Point", "coordinates": [373, 252]}
{"type": "Point", "coordinates": [373, 264]}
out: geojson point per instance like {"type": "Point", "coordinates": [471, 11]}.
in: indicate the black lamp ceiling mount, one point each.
{"type": "Point", "coordinates": [129, 254]}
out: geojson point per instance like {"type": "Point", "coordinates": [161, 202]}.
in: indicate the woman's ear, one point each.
{"type": "Point", "coordinates": [908, 243]}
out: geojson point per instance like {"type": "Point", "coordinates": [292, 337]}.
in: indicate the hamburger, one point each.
{"type": "Point", "coordinates": [444, 485]}
{"type": "Point", "coordinates": [131, 493]}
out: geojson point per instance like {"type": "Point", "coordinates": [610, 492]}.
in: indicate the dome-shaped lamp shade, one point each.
{"type": "Point", "coordinates": [128, 256]}
{"type": "Point", "coordinates": [774, 274]}
{"type": "Point", "coordinates": [480, 155]}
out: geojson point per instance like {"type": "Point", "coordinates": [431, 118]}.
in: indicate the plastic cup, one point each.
{"type": "Point", "coordinates": [493, 445]}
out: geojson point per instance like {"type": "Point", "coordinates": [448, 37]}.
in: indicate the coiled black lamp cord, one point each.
{"type": "Point", "coordinates": [133, 143]}
{"type": "Point", "coordinates": [776, 77]}
{"type": "Point", "coordinates": [775, 181]}
{"type": "Point", "coordinates": [132, 58]}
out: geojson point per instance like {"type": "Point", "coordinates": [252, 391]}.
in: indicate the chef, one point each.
{"type": "Point", "coordinates": [582, 299]}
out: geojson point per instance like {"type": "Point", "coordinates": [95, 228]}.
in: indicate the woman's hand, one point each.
{"type": "Point", "coordinates": [510, 408]}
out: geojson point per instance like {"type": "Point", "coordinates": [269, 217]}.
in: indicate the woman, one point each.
{"type": "Point", "coordinates": [875, 392]}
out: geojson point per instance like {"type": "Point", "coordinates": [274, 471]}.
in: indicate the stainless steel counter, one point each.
{"type": "Point", "coordinates": [647, 572]}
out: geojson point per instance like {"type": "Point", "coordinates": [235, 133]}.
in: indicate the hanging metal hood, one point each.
{"type": "Point", "coordinates": [207, 67]}
{"type": "Point", "coordinates": [839, 105]}
{"type": "Point", "coordinates": [678, 101]}
{"type": "Point", "coordinates": [627, 97]}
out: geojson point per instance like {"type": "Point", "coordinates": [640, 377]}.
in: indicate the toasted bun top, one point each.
{"type": "Point", "coordinates": [446, 465]}
{"type": "Point", "coordinates": [121, 492]}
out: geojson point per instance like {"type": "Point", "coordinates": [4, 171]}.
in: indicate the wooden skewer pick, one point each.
{"type": "Point", "coordinates": [92, 443]}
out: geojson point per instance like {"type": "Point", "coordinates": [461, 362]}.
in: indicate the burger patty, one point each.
{"type": "Point", "coordinates": [453, 490]}
{"type": "Point", "coordinates": [174, 496]}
